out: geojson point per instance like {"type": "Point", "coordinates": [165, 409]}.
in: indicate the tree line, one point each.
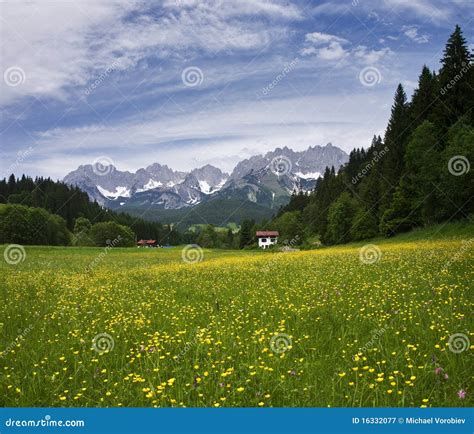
{"type": "Point", "coordinates": [43, 211]}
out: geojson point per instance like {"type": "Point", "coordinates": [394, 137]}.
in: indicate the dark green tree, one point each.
{"type": "Point", "coordinates": [246, 236]}
{"type": "Point", "coordinates": [396, 137]}
{"type": "Point", "coordinates": [456, 81]}
{"type": "Point", "coordinates": [112, 234]}
{"type": "Point", "coordinates": [340, 219]}
{"type": "Point", "coordinates": [457, 174]}
{"type": "Point", "coordinates": [424, 97]}
{"type": "Point", "coordinates": [364, 224]}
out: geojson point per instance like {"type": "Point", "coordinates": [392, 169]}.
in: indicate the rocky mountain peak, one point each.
{"type": "Point", "coordinates": [158, 185]}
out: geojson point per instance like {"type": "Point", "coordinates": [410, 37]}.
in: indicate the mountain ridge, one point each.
{"type": "Point", "coordinates": [266, 179]}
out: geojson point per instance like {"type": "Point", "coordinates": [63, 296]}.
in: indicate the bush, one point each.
{"type": "Point", "coordinates": [26, 225]}
{"type": "Point", "coordinates": [111, 233]}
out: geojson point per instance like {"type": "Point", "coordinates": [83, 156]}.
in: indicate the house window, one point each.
{"type": "Point", "coordinates": [264, 240]}
{"type": "Point", "coordinates": [272, 240]}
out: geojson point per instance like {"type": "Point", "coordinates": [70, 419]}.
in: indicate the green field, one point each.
{"type": "Point", "coordinates": [389, 324]}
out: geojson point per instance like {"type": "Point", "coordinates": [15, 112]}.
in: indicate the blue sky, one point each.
{"type": "Point", "coordinates": [187, 82]}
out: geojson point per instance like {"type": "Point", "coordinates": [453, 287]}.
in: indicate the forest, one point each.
{"type": "Point", "coordinates": [417, 175]}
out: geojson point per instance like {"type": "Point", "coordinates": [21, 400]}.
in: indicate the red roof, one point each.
{"type": "Point", "coordinates": [267, 234]}
{"type": "Point", "coordinates": [146, 242]}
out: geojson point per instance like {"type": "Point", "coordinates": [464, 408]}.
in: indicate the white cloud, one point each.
{"type": "Point", "coordinates": [412, 33]}
{"type": "Point", "coordinates": [440, 11]}
{"type": "Point", "coordinates": [214, 135]}
{"type": "Point", "coordinates": [333, 51]}
{"type": "Point", "coordinates": [318, 38]}
{"type": "Point", "coordinates": [434, 11]}
{"type": "Point", "coordinates": [370, 56]}
{"type": "Point", "coordinates": [324, 46]}
{"type": "Point", "coordinates": [59, 45]}
{"type": "Point", "coordinates": [275, 9]}
{"type": "Point", "coordinates": [330, 47]}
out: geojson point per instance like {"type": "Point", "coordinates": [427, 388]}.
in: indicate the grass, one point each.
{"type": "Point", "coordinates": [310, 328]}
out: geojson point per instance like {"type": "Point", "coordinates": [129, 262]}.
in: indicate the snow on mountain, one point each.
{"type": "Point", "coordinates": [151, 184]}
{"type": "Point", "coordinates": [119, 192]}
{"type": "Point", "coordinates": [252, 179]}
{"type": "Point", "coordinates": [309, 175]}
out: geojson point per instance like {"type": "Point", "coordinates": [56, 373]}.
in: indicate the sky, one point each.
{"type": "Point", "coordinates": [188, 83]}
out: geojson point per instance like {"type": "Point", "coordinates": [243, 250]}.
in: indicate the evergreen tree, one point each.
{"type": "Point", "coordinates": [229, 239]}
{"type": "Point", "coordinates": [456, 81]}
{"type": "Point", "coordinates": [246, 235]}
{"type": "Point", "coordinates": [396, 136]}
{"type": "Point", "coordinates": [424, 97]}
{"type": "Point", "coordinates": [424, 175]}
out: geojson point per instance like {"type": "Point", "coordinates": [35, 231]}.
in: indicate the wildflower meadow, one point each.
{"type": "Point", "coordinates": [386, 324]}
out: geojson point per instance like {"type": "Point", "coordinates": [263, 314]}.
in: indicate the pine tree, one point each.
{"type": "Point", "coordinates": [456, 81]}
{"type": "Point", "coordinates": [416, 198]}
{"type": "Point", "coordinates": [246, 236]}
{"type": "Point", "coordinates": [396, 137]}
{"type": "Point", "coordinates": [424, 97]}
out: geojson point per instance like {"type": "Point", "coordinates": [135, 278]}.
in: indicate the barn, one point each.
{"type": "Point", "coordinates": [147, 243]}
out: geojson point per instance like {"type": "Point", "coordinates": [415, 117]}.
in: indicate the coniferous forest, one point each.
{"type": "Point", "coordinates": [418, 174]}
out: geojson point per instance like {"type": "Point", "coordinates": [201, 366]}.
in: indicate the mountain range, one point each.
{"type": "Point", "coordinates": [257, 186]}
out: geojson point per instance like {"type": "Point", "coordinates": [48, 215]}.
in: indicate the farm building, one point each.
{"type": "Point", "coordinates": [147, 243]}
{"type": "Point", "coordinates": [267, 238]}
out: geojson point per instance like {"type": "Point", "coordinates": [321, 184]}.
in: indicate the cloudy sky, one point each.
{"type": "Point", "coordinates": [188, 82]}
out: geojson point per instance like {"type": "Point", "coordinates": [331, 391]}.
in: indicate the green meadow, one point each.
{"type": "Point", "coordinates": [386, 323]}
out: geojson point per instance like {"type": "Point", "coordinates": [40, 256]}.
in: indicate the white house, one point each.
{"type": "Point", "coordinates": [267, 238]}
